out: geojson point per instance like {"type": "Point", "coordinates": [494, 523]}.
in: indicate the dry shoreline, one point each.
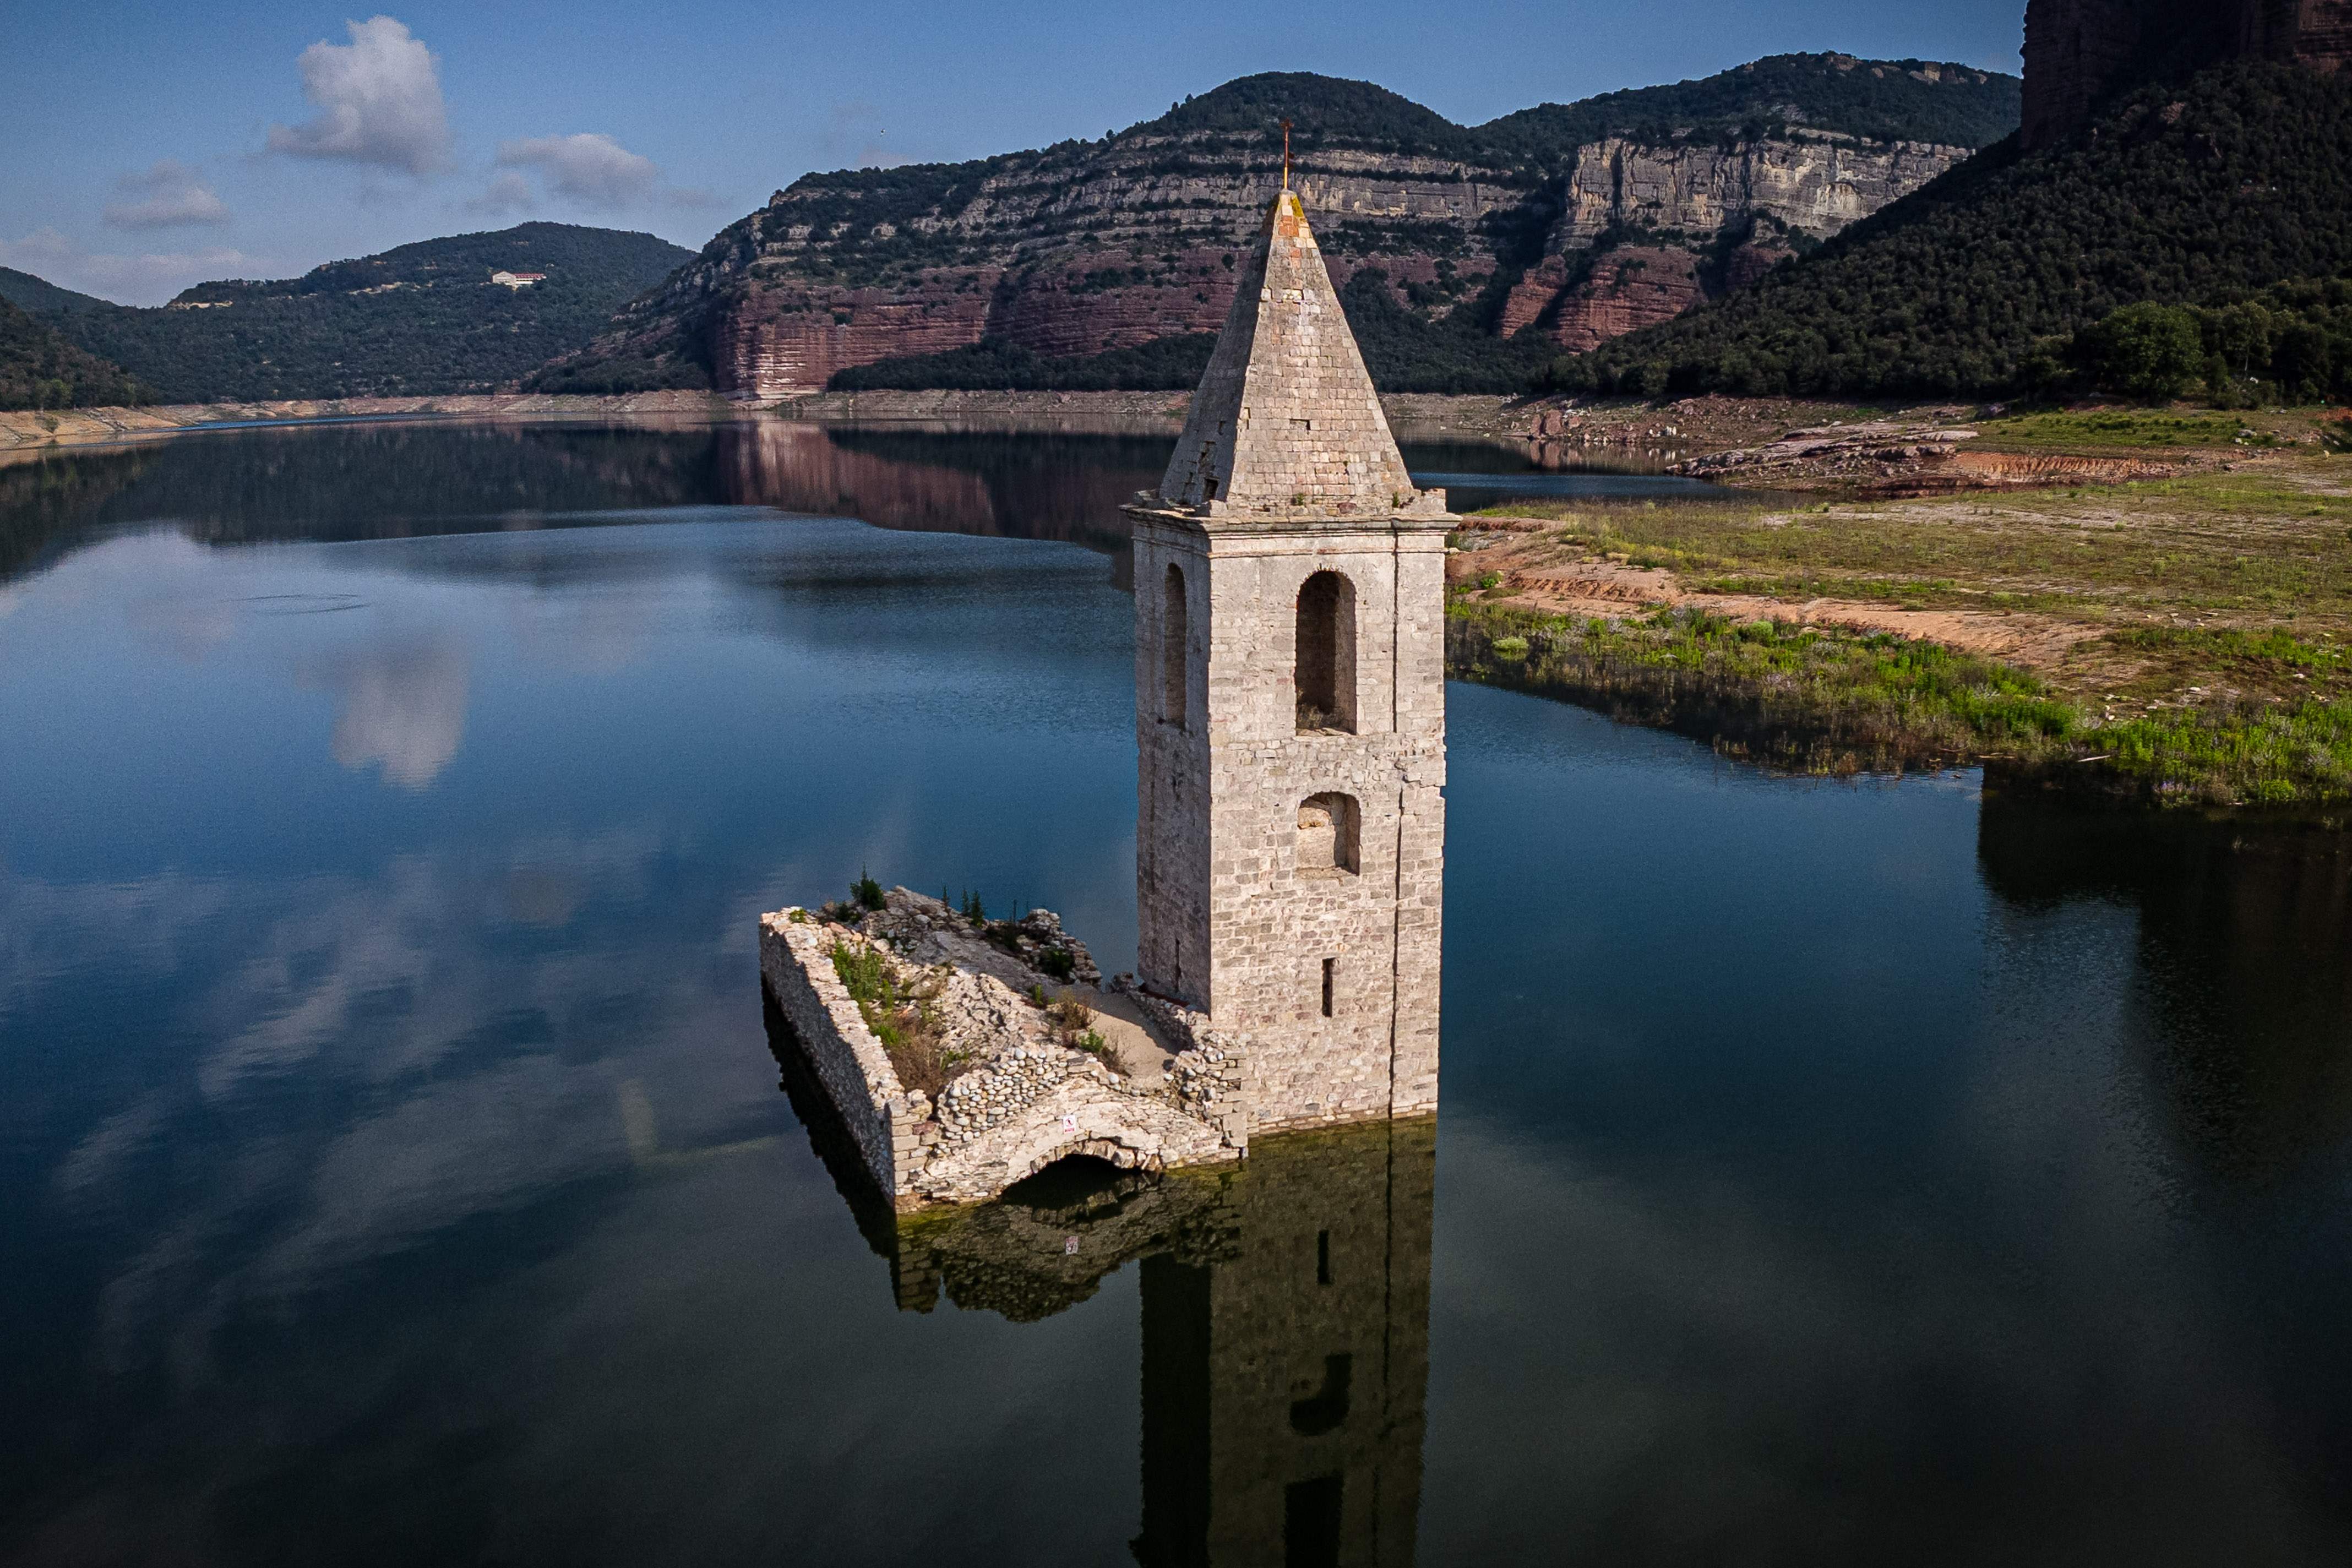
{"type": "Point", "coordinates": [27, 433]}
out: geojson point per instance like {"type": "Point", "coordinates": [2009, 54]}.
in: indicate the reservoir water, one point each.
{"type": "Point", "coordinates": [394, 1166]}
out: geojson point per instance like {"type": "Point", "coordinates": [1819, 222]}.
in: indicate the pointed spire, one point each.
{"type": "Point", "coordinates": [1286, 422]}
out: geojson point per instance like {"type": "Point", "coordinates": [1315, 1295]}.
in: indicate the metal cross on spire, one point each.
{"type": "Point", "coordinates": [1285, 154]}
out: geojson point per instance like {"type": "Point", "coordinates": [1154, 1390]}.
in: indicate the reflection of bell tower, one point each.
{"type": "Point", "coordinates": [1286, 1321]}
{"type": "Point", "coordinates": [1282, 1380]}
{"type": "Point", "coordinates": [1290, 712]}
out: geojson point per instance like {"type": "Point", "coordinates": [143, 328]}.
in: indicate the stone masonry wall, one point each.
{"type": "Point", "coordinates": [796, 966]}
{"type": "Point", "coordinates": [1265, 924]}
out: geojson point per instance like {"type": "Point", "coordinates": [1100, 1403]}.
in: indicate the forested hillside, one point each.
{"type": "Point", "coordinates": [2194, 194]}
{"type": "Point", "coordinates": [423, 318]}
{"type": "Point", "coordinates": [39, 369]}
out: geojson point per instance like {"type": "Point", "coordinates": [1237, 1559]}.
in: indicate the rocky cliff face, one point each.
{"type": "Point", "coordinates": [2078, 51]}
{"type": "Point", "coordinates": [1698, 223]}
{"type": "Point", "coordinates": [1808, 184]}
{"type": "Point", "coordinates": [1089, 247]}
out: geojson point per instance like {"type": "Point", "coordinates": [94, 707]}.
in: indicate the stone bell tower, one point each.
{"type": "Point", "coordinates": [1290, 712]}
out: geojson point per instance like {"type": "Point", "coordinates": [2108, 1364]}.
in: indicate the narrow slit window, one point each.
{"type": "Point", "coordinates": [1330, 978]}
{"type": "Point", "coordinates": [1322, 1257]}
{"type": "Point", "coordinates": [1174, 630]}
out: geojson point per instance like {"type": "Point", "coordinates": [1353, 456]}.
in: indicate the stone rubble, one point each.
{"type": "Point", "coordinates": [1021, 1092]}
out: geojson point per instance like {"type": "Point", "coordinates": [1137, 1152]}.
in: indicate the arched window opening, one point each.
{"type": "Point", "coordinates": [1326, 674]}
{"type": "Point", "coordinates": [1174, 682]}
{"type": "Point", "coordinates": [1330, 833]}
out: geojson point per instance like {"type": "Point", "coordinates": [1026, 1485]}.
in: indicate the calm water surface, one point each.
{"type": "Point", "coordinates": [393, 1166]}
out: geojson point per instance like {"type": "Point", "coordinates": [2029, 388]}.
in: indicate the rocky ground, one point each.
{"type": "Point", "coordinates": [1004, 1051]}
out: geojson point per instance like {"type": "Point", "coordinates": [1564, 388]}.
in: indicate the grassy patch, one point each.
{"type": "Point", "coordinates": [2236, 754]}
{"type": "Point", "coordinates": [2174, 662]}
{"type": "Point", "coordinates": [2129, 428]}
{"type": "Point", "coordinates": [904, 1020]}
{"type": "Point", "coordinates": [2234, 543]}
{"type": "Point", "coordinates": [1803, 697]}
{"type": "Point", "coordinates": [1826, 701]}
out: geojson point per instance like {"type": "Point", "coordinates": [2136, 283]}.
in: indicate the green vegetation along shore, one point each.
{"type": "Point", "coordinates": [1830, 701]}
{"type": "Point", "coordinates": [2182, 641]}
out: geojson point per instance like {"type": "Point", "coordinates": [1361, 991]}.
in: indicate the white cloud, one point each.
{"type": "Point", "coordinates": [379, 100]}
{"type": "Point", "coordinates": [143, 280]}
{"type": "Point", "coordinates": [166, 195]}
{"type": "Point", "coordinates": [589, 168]}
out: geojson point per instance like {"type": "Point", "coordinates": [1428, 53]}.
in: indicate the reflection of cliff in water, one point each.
{"type": "Point", "coordinates": [369, 481]}
{"type": "Point", "coordinates": [409, 479]}
{"type": "Point", "coordinates": [1285, 1321]}
{"type": "Point", "coordinates": [2245, 961]}
{"type": "Point", "coordinates": [43, 502]}
{"type": "Point", "coordinates": [1066, 487]}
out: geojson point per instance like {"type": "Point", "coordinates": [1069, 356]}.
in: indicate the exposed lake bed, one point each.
{"type": "Point", "coordinates": [397, 1163]}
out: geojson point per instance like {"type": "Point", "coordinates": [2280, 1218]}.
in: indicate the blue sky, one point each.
{"type": "Point", "coordinates": [151, 147]}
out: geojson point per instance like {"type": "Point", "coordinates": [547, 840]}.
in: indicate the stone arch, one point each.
{"type": "Point", "coordinates": [1113, 1150]}
{"type": "Point", "coordinates": [1175, 672]}
{"type": "Point", "coordinates": [1330, 833]}
{"type": "Point", "coordinates": [1325, 671]}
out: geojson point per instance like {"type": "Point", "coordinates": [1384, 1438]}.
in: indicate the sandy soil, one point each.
{"type": "Point", "coordinates": [1601, 587]}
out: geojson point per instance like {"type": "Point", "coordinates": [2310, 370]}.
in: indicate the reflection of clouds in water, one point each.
{"type": "Point", "coordinates": [140, 928]}
{"type": "Point", "coordinates": [486, 1077]}
{"type": "Point", "coordinates": [403, 704]}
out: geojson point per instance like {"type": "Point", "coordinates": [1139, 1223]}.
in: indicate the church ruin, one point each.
{"type": "Point", "coordinates": [1290, 720]}
{"type": "Point", "coordinates": [1290, 712]}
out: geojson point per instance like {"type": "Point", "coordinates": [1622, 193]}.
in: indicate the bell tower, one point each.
{"type": "Point", "coordinates": [1290, 712]}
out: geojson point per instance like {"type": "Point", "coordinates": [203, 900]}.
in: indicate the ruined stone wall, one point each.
{"type": "Point", "coordinates": [796, 968]}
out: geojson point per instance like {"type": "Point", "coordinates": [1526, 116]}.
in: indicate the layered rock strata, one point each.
{"type": "Point", "coordinates": [1089, 247]}
{"type": "Point", "coordinates": [1646, 232]}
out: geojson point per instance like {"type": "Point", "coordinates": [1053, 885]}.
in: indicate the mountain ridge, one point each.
{"type": "Point", "coordinates": [1087, 249]}
{"type": "Point", "coordinates": [420, 319]}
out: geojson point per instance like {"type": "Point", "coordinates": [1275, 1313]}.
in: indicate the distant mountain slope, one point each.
{"type": "Point", "coordinates": [1474, 251]}
{"type": "Point", "coordinates": [2195, 193]}
{"type": "Point", "coordinates": [422, 319]}
{"type": "Point", "coordinates": [38, 296]}
{"type": "Point", "coordinates": [39, 369]}
{"type": "Point", "coordinates": [1874, 100]}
